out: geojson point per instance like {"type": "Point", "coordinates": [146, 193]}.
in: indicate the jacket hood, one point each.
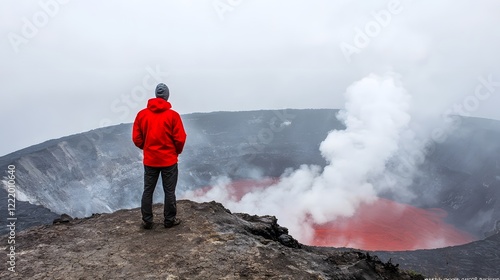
{"type": "Point", "coordinates": [158, 105]}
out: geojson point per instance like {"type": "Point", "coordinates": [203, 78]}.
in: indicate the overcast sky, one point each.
{"type": "Point", "coordinates": [71, 66]}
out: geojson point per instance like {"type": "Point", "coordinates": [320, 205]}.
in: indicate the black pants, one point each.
{"type": "Point", "coordinates": [169, 180]}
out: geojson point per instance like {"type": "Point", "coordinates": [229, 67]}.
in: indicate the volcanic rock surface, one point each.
{"type": "Point", "coordinates": [210, 243]}
{"type": "Point", "coordinates": [479, 259]}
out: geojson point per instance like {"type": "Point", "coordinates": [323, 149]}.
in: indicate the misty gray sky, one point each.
{"type": "Point", "coordinates": [71, 66]}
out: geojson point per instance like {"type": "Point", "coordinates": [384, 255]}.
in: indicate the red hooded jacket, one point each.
{"type": "Point", "coordinates": [159, 132]}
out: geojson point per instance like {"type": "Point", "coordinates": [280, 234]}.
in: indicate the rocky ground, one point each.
{"type": "Point", "coordinates": [211, 243]}
{"type": "Point", "coordinates": [480, 259]}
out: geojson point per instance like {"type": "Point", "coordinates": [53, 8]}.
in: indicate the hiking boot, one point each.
{"type": "Point", "coordinates": [175, 222]}
{"type": "Point", "coordinates": [146, 225]}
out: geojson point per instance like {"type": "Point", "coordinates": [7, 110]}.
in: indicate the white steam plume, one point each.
{"type": "Point", "coordinates": [376, 115]}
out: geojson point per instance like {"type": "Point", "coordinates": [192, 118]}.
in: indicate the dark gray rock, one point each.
{"type": "Point", "coordinates": [63, 219]}
{"type": "Point", "coordinates": [477, 259]}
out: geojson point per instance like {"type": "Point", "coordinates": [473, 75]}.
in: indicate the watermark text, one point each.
{"type": "Point", "coordinates": [11, 218]}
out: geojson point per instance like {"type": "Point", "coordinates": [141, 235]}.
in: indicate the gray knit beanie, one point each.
{"type": "Point", "coordinates": [162, 91]}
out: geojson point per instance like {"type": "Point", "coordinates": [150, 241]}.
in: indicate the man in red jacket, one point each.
{"type": "Point", "coordinates": [159, 132]}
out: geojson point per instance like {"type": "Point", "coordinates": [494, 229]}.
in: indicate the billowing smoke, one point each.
{"type": "Point", "coordinates": [376, 116]}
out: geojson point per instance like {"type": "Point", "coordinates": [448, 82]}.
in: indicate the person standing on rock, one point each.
{"type": "Point", "coordinates": [159, 132]}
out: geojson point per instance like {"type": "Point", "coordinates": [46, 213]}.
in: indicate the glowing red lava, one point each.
{"type": "Point", "coordinates": [390, 226]}
{"type": "Point", "coordinates": [384, 225]}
